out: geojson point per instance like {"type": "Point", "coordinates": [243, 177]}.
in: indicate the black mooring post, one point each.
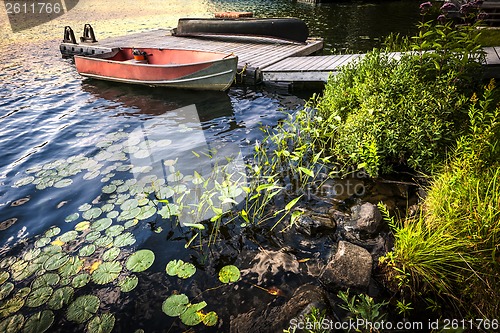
{"type": "Point", "coordinates": [88, 34]}
{"type": "Point", "coordinates": [69, 36]}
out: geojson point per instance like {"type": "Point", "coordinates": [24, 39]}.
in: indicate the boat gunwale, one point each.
{"type": "Point", "coordinates": [125, 62]}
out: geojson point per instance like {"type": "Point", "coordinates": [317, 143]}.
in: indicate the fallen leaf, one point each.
{"type": "Point", "coordinates": [58, 242]}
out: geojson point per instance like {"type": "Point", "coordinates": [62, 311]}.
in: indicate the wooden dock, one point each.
{"type": "Point", "coordinates": [258, 60]}
{"type": "Point", "coordinates": [253, 54]}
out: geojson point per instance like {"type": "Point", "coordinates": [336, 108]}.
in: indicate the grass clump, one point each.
{"type": "Point", "coordinates": [452, 248]}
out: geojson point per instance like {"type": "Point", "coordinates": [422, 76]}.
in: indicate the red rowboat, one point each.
{"type": "Point", "coordinates": [174, 68]}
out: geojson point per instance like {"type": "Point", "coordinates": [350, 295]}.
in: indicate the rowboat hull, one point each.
{"type": "Point", "coordinates": [186, 69]}
{"type": "Point", "coordinates": [288, 29]}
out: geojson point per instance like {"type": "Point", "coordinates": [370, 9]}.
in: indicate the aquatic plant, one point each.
{"type": "Point", "coordinates": [180, 269]}
{"type": "Point", "coordinates": [229, 274]}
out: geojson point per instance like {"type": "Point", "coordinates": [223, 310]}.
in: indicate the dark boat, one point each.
{"type": "Point", "coordinates": [288, 29]}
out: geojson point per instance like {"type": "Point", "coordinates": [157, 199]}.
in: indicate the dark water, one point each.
{"type": "Point", "coordinates": [71, 145]}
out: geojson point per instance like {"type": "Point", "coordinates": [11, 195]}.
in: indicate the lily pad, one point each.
{"type": "Point", "coordinates": [82, 226]}
{"type": "Point", "coordinates": [5, 290]}
{"type": "Point", "coordinates": [83, 308]}
{"type": "Point", "coordinates": [45, 280]}
{"type": "Point", "coordinates": [92, 236]}
{"type": "Point", "coordinates": [42, 242]}
{"type": "Point", "coordinates": [11, 306]}
{"type": "Point", "coordinates": [72, 217]}
{"type": "Point", "coordinates": [4, 276]}
{"type": "Point", "coordinates": [229, 273]}
{"type": "Point", "coordinates": [92, 213]}
{"type": "Point", "coordinates": [24, 181]}
{"type": "Point", "coordinates": [173, 266]}
{"type": "Point", "coordinates": [101, 224]}
{"type": "Point", "coordinates": [87, 250]}
{"type": "Point", "coordinates": [140, 260]}
{"type": "Point", "coordinates": [68, 236]}
{"type": "Point", "coordinates": [53, 231]}
{"type": "Point", "coordinates": [191, 316]}
{"type": "Point", "coordinates": [72, 267]}
{"type": "Point", "coordinates": [53, 248]}
{"type": "Point", "coordinates": [181, 269]}
{"type": "Point", "coordinates": [130, 223]}
{"type": "Point", "coordinates": [60, 298]}
{"type": "Point", "coordinates": [39, 296]}
{"type": "Point", "coordinates": [124, 239]}
{"type": "Point", "coordinates": [39, 322]}
{"type": "Point", "coordinates": [107, 208]}
{"type": "Point", "coordinates": [63, 183]}
{"type": "Point", "coordinates": [102, 324]}
{"type": "Point", "coordinates": [80, 280]}
{"type": "Point", "coordinates": [128, 283]}
{"type": "Point", "coordinates": [129, 214]}
{"type": "Point", "coordinates": [210, 319]}
{"type": "Point", "coordinates": [129, 204]}
{"type": "Point", "coordinates": [12, 324]}
{"type": "Point", "coordinates": [104, 241]}
{"type": "Point", "coordinates": [84, 207]}
{"type": "Point", "coordinates": [111, 254]}
{"type": "Point", "coordinates": [114, 230]}
{"type": "Point", "coordinates": [175, 305]}
{"type": "Point", "coordinates": [108, 189]}
{"type": "Point", "coordinates": [7, 262]}
{"type": "Point", "coordinates": [55, 261]}
{"type": "Point", "coordinates": [91, 175]}
{"type": "Point", "coordinates": [28, 271]}
{"type": "Point", "coordinates": [146, 212]}
{"type": "Point", "coordinates": [113, 214]}
{"type": "Point", "coordinates": [106, 272]}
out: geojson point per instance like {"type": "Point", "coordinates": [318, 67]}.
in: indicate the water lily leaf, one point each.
{"type": "Point", "coordinates": [140, 260]}
{"type": "Point", "coordinates": [124, 239]}
{"type": "Point", "coordinates": [175, 305]}
{"type": "Point", "coordinates": [229, 273]}
{"type": "Point", "coordinates": [112, 215]}
{"type": "Point", "coordinates": [173, 266]}
{"type": "Point", "coordinates": [102, 324]}
{"type": "Point", "coordinates": [108, 189]}
{"type": "Point", "coordinates": [130, 214]}
{"type": "Point", "coordinates": [54, 231]}
{"type": "Point", "coordinates": [55, 261]}
{"type": "Point", "coordinates": [23, 292]}
{"type": "Point", "coordinates": [42, 242]}
{"type": "Point", "coordinates": [39, 296]}
{"type": "Point", "coordinates": [5, 290]}
{"type": "Point", "coordinates": [24, 181]}
{"type": "Point", "coordinates": [87, 250]}
{"type": "Point", "coordinates": [28, 271]}
{"type": "Point", "coordinates": [4, 276]}
{"type": "Point", "coordinates": [82, 226]}
{"type": "Point", "coordinates": [210, 319]}
{"type": "Point", "coordinates": [115, 230]}
{"type": "Point", "coordinates": [129, 204]}
{"type": "Point", "coordinates": [106, 272]}
{"type": "Point", "coordinates": [53, 248]}
{"type": "Point", "coordinates": [12, 324]}
{"type": "Point", "coordinates": [45, 280]}
{"type": "Point", "coordinates": [146, 212]}
{"type": "Point", "coordinates": [11, 306]}
{"type": "Point", "coordinates": [92, 213]}
{"type": "Point", "coordinates": [69, 236]}
{"type": "Point", "coordinates": [130, 223]}
{"type": "Point", "coordinates": [83, 308]}
{"type": "Point", "coordinates": [60, 298]}
{"type": "Point", "coordinates": [57, 243]}
{"type": "Point", "coordinates": [7, 262]}
{"type": "Point", "coordinates": [111, 254]}
{"type": "Point", "coordinates": [107, 208]}
{"type": "Point", "coordinates": [39, 322]}
{"type": "Point", "coordinates": [91, 174]}
{"type": "Point", "coordinates": [128, 283]}
{"type": "Point", "coordinates": [84, 207]}
{"type": "Point", "coordinates": [104, 241]}
{"type": "Point", "coordinates": [80, 280]}
{"type": "Point", "coordinates": [191, 316]}
{"type": "Point", "coordinates": [186, 270]}
{"type": "Point", "coordinates": [63, 183]}
{"type": "Point", "coordinates": [72, 217]}
{"type": "Point", "coordinates": [41, 259]}
{"type": "Point", "coordinates": [101, 224]}
{"type": "Point", "coordinates": [72, 267]}
{"type": "Point", "coordinates": [92, 236]}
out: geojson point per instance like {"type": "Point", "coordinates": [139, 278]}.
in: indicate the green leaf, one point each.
{"type": "Point", "coordinates": [39, 296]}
{"type": "Point", "coordinates": [5, 290]}
{"type": "Point", "coordinates": [308, 172]}
{"type": "Point", "coordinates": [80, 280]}
{"type": "Point", "coordinates": [129, 283]}
{"type": "Point", "coordinates": [102, 324]}
{"type": "Point", "coordinates": [11, 306]}
{"type": "Point", "coordinates": [83, 308]}
{"type": "Point", "coordinates": [56, 261]}
{"type": "Point", "coordinates": [87, 250]}
{"type": "Point", "coordinates": [229, 273]}
{"type": "Point", "coordinates": [191, 316]}
{"type": "Point", "coordinates": [124, 240]}
{"type": "Point", "coordinates": [60, 298]}
{"type": "Point", "coordinates": [12, 324]}
{"type": "Point", "coordinates": [39, 322]}
{"type": "Point", "coordinates": [47, 279]}
{"type": "Point", "coordinates": [292, 203]}
{"type": "Point", "coordinates": [175, 305]}
{"type": "Point", "coordinates": [210, 319]}
{"type": "Point", "coordinates": [140, 260]}
{"type": "Point", "coordinates": [111, 254]}
{"type": "Point", "coordinates": [194, 225]}
{"type": "Point", "coordinates": [106, 272]}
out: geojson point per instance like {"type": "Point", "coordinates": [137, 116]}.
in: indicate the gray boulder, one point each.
{"type": "Point", "coordinates": [366, 218]}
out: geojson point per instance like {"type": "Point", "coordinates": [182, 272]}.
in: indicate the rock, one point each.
{"type": "Point", "coordinates": [366, 218]}
{"type": "Point", "coordinates": [350, 266]}
{"type": "Point", "coordinates": [277, 318]}
{"type": "Point", "coordinates": [311, 224]}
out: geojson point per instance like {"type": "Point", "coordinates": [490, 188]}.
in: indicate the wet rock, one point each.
{"type": "Point", "coordinates": [269, 263]}
{"type": "Point", "coordinates": [342, 189]}
{"type": "Point", "coordinates": [350, 266]}
{"type": "Point", "coordinates": [277, 318]}
{"type": "Point", "coordinates": [366, 218]}
{"type": "Point", "coordinates": [312, 224]}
